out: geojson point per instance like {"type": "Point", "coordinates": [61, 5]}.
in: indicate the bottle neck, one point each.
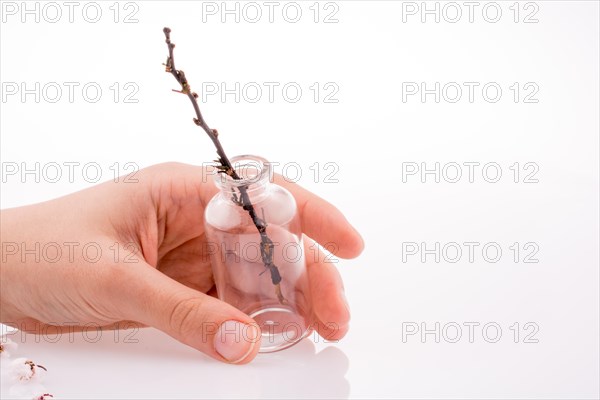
{"type": "Point", "coordinates": [255, 173]}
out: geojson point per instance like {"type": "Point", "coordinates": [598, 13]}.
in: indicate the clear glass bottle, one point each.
{"type": "Point", "coordinates": [276, 297]}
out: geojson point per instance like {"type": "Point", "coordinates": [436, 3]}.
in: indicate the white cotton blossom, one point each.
{"type": "Point", "coordinates": [23, 370]}
{"type": "Point", "coordinates": [7, 347]}
{"type": "Point", "coordinates": [28, 391]}
{"type": "Point", "coordinates": [45, 396]}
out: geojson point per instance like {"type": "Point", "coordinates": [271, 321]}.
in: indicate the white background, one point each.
{"type": "Point", "coordinates": [369, 133]}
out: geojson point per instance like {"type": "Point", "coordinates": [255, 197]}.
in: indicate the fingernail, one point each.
{"type": "Point", "coordinates": [235, 340]}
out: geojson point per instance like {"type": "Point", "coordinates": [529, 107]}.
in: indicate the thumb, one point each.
{"type": "Point", "coordinates": [194, 318]}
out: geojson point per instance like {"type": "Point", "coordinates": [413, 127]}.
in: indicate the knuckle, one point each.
{"type": "Point", "coordinates": [186, 316]}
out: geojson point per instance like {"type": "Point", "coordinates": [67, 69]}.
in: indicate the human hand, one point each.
{"type": "Point", "coordinates": [153, 267]}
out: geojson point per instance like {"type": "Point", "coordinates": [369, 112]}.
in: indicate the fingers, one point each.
{"type": "Point", "coordinates": [327, 292]}
{"type": "Point", "coordinates": [179, 200]}
{"type": "Point", "coordinates": [194, 318]}
{"type": "Point", "coordinates": [324, 223]}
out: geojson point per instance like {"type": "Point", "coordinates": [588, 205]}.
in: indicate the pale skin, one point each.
{"type": "Point", "coordinates": [168, 283]}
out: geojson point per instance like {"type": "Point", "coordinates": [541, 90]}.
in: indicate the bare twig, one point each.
{"type": "Point", "coordinates": [266, 244]}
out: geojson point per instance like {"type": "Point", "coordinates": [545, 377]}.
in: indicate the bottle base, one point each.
{"type": "Point", "coordinates": [281, 328]}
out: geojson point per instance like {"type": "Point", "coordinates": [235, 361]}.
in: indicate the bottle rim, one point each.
{"type": "Point", "coordinates": [252, 170]}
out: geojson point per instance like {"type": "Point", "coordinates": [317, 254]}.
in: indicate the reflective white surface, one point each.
{"type": "Point", "coordinates": [113, 366]}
